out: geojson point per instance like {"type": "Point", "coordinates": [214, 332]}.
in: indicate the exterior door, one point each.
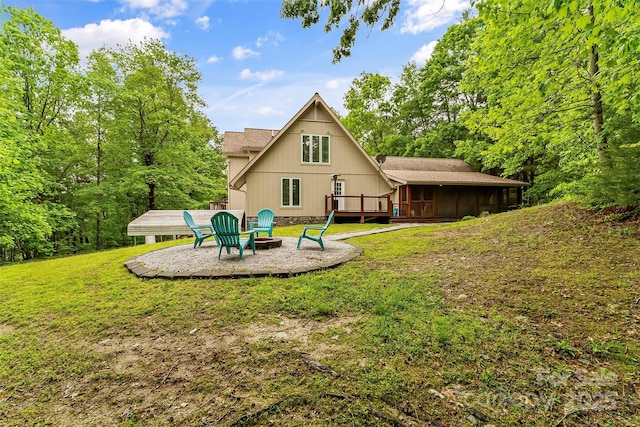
{"type": "Point", "coordinates": [422, 201]}
{"type": "Point", "coordinates": [338, 189]}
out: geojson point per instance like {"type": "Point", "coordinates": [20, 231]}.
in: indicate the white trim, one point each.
{"type": "Point", "coordinates": [342, 185]}
{"type": "Point", "coordinates": [308, 144]}
{"type": "Point", "coordinates": [291, 179]}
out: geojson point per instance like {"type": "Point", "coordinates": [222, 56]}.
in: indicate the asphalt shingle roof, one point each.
{"type": "Point", "coordinates": [408, 170]}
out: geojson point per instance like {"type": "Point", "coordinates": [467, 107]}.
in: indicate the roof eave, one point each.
{"type": "Point", "coordinates": [469, 184]}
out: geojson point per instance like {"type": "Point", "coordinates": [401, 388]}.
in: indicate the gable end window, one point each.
{"type": "Point", "coordinates": [315, 149]}
{"type": "Point", "coordinates": [290, 192]}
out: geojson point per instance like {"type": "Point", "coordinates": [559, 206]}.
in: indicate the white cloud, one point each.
{"type": "Point", "coordinates": [159, 8]}
{"type": "Point", "coordinates": [213, 59]}
{"type": "Point", "coordinates": [268, 111]}
{"type": "Point", "coordinates": [110, 33]}
{"type": "Point", "coordinates": [203, 22]}
{"type": "Point", "coordinates": [241, 53]}
{"type": "Point", "coordinates": [273, 37]}
{"type": "Point", "coordinates": [424, 53]}
{"type": "Point", "coordinates": [338, 83]}
{"type": "Point", "coordinates": [425, 15]}
{"type": "Point", "coordinates": [140, 4]}
{"type": "Point", "coordinates": [263, 76]}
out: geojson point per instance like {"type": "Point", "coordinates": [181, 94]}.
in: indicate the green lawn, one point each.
{"type": "Point", "coordinates": [526, 318]}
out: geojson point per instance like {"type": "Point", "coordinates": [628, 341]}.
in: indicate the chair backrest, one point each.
{"type": "Point", "coordinates": [329, 219]}
{"type": "Point", "coordinates": [189, 220]}
{"type": "Point", "coordinates": [265, 218]}
{"type": "Point", "coordinates": [226, 227]}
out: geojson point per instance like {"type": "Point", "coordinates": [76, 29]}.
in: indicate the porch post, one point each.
{"type": "Point", "coordinates": [361, 208]}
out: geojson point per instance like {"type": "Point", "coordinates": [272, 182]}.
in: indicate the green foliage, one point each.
{"type": "Point", "coordinates": [419, 115]}
{"type": "Point", "coordinates": [370, 113]}
{"type": "Point", "coordinates": [84, 153]}
{"type": "Point", "coordinates": [537, 66]}
{"type": "Point", "coordinates": [563, 346]}
{"type": "Point", "coordinates": [370, 13]}
{"type": "Point", "coordinates": [616, 181]}
{"type": "Point", "coordinates": [37, 72]}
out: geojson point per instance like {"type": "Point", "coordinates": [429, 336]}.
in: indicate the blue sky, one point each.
{"type": "Point", "coordinates": [257, 69]}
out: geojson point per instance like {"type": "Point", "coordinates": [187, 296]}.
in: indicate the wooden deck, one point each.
{"type": "Point", "coordinates": [171, 223]}
{"type": "Point", "coordinates": [360, 207]}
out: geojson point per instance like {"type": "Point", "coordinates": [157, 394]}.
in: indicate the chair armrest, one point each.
{"type": "Point", "coordinates": [207, 227]}
{"type": "Point", "coordinates": [247, 232]}
{"type": "Point", "coordinates": [313, 227]}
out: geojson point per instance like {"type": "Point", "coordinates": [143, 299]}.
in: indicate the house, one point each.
{"type": "Point", "coordinates": [313, 165]}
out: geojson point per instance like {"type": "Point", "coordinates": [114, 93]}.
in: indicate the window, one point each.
{"type": "Point", "coordinates": [290, 190]}
{"type": "Point", "coordinates": [315, 149]}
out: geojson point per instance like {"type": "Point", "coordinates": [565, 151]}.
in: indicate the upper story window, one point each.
{"type": "Point", "coordinates": [315, 149]}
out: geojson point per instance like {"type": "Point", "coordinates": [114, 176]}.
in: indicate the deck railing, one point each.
{"type": "Point", "coordinates": [362, 206]}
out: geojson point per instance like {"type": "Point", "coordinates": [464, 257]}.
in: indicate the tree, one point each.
{"type": "Point", "coordinates": [548, 102]}
{"type": "Point", "coordinates": [41, 77]}
{"type": "Point", "coordinates": [370, 112]}
{"type": "Point", "coordinates": [160, 135]}
{"type": "Point", "coordinates": [95, 204]}
{"type": "Point", "coordinates": [439, 96]}
{"type": "Point", "coordinates": [83, 152]}
{"type": "Point", "coordinates": [23, 229]}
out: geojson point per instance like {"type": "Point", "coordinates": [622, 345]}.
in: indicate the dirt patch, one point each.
{"type": "Point", "coordinates": [6, 329]}
{"type": "Point", "coordinates": [201, 374]}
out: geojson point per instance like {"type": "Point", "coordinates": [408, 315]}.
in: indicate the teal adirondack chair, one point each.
{"type": "Point", "coordinates": [265, 222]}
{"type": "Point", "coordinates": [228, 234]}
{"type": "Point", "coordinates": [201, 231]}
{"type": "Point", "coordinates": [315, 228]}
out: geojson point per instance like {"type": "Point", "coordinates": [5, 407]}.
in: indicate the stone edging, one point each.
{"type": "Point", "coordinates": [140, 270]}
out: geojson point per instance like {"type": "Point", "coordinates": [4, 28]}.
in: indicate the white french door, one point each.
{"type": "Point", "coordinates": [338, 189]}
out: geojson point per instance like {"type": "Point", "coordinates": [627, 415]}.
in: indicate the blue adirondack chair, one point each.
{"type": "Point", "coordinates": [201, 231]}
{"type": "Point", "coordinates": [265, 222]}
{"type": "Point", "coordinates": [228, 234]}
{"type": "Point", "coordinates": [315, 228]}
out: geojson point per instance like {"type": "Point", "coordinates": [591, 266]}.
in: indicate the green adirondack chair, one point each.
{"type": "Point", "coordinates": [201, 231]}
{"type": "Point", "coordinates": [265, 222]}
{"type": "Point", "coordinates": [315, 228]}
{"type": "Point", "coordinates": [228, 234]}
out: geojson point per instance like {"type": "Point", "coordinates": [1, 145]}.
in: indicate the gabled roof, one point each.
{"type": "Point", "coordinates": [259, 136]}
{"type": "Point", "coordinates": [241, 143]}
{"type": "Point", "coordinates": [428, 171]}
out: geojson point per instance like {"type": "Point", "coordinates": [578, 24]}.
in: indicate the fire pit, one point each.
{"type": "Point", "coordinates": [268, 242]}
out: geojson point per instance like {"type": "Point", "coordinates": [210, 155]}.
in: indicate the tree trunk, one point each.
{"type": "Point", "coordinates": [152, 195]}
{"type": "Point", "coordinates": [99, 174]}
{"type": "Point", "coordinates": [98, 224]}
{"type": "Point", "coordinates": [596, 96]}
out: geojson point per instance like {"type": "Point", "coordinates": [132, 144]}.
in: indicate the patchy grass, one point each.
{"type": "Point", "coordinates": [530, 317]}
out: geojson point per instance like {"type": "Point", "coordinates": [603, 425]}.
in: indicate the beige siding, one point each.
{"type": "Point", "coordinates": [283, 160]}
{"type": "Point", "coordinates": [237, 198]}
